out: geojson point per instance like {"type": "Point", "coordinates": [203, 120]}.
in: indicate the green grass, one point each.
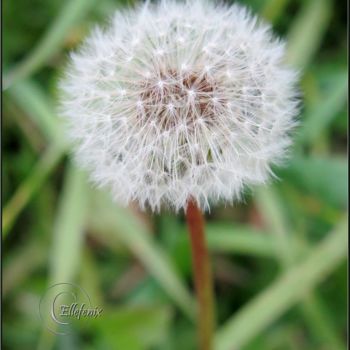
{"type": "Point", "coordinates": [279, 258]}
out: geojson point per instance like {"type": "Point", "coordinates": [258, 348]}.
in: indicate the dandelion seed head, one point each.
{"type": "Point", "coordinates": [180, 99]}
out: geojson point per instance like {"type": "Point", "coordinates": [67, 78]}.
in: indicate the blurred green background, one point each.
{"type": "Point", "coordinates": [279, 258]}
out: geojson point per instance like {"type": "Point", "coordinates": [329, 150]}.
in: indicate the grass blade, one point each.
{"type": "Point", "coordinates": [311, 308]}
{"type": "Point", "coordinates": [71, 13]}
{"type": "Point", "coordinates": [319, 117]}
{"type": "Point", "coordinates": [69, 225]}
{"type": "Point", "coordinates": [67, 238]}
{"type": "Point", "coordinates": [238, 239]}
{"type": "Point", "coordinates": [126, 228]}
{"type": "Point", "coordinates": [307, 31]}
{"type": "Point", "coordinates": [315, 176]}
{"type": "Point", "coordinates": [23, 263]}
{"type": "Point", "coordinates": [290, 288]}
{"type": "Point", "coordinates": [32, 99]}
{"type": "Point", "coordinates": [29, 186]}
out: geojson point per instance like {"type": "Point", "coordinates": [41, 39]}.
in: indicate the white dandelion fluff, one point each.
{"type": "Point", "coordinates": [177, 100]}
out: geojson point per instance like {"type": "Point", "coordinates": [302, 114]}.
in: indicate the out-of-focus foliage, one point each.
{"type": "Point", "coordinates": [279, 258]}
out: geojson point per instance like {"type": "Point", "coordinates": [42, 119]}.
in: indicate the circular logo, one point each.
{"type": "Point", "coordinates": [63, 303]}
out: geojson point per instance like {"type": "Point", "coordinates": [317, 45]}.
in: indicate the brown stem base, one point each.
{"type": "Point", "coordinates": [202, 275]}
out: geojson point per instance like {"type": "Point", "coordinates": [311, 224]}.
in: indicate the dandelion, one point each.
{"type": "Point", "coordinates": [180, 100]}
{"type": "Point", "coordinates": [181, 104]}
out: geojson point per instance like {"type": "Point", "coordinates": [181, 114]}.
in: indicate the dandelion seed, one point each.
{"type": "Point", "coordinates": [135, 41]}
{"type": "Point", "coordinates": [191, 93]}
{"type": "Point", "coordinates": [159, 52]}
{"type": "Point", "coordinates": [170, 107]}
{"type": "Point", "coordinates": [184, 67]}
{"type": "Point", "coordinates": [235, 101]}
{"type": "Point", "coordinates": [180, 39]}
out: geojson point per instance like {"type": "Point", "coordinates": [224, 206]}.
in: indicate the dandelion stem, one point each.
{"type": "Point", "coordinates": [202, 275]}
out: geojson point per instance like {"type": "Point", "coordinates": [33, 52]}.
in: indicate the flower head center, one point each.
{"type": "Point", "coordinates": [177, 98]}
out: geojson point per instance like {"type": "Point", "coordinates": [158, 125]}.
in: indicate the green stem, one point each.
{"type": "Point", "coordinates": [202, 275]}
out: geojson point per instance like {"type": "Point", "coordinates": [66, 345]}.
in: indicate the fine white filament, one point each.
{"type": "Point", "coordinates": [180, 99]}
